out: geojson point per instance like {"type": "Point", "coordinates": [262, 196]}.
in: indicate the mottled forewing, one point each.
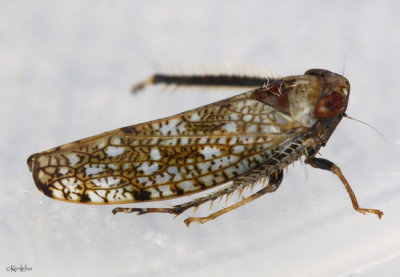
{"type": "Point", "coordinates": [166, 158]}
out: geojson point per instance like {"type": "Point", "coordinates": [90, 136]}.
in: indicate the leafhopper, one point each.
{"type": "Point", "coordinates": [237, 142]}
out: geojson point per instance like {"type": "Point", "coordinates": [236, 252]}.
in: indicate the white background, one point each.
{"type": "Point", "coordinates": [66, 68]}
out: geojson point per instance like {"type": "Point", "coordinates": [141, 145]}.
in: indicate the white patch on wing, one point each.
{"type": "Point", "coordinates": [234, 116]}
{"type": "Point", "coordinates": [113, 181]}
{"type": "Point", "coordinates": [172, 170]}
{"type": "Point", "coordinates": [184, 141]}
{"type": "Point", "coordinates": [267, 145]}
{"type": "Point", "coordinates": [71, 184]}
{"type": "Point", "coordinates": [230, 171]}
{"type": "Point", "coordinates": [94, 197]}
{"type": "Point", "coordinates": [245, 110]}
{"type": "Point", "coordinates": [187, 185]}
{"type": "Point", "coordinates": [114, 151]}
{"type": "Point", "coordinates": [169, 127]}
{"type": "Point", "coordinates": [113, 166]}
{"type": "Point", "coordinates": [154, 193]}
{"type": "Point", "coordinates": [230, 127]}
{"type": "Point", "coordinates": [223, 162]}
{"type": "Point", "coordinates": [101, 193]}
{"type": "Point", "coordinates": [190, 161]}
{"type": "Point", "coordinates": [243, 166]}
{"type": "Point", "coordinates": [58, 185]}
{"type": "Point", "coordinates": [43, 161]}
{"type": "Point", "coordinates": [251, 128]}
{"type": "Point", "coordinates": [58, 194]}
{"type": "Point", "coordinates": [63, 170]}
{"type": "Point", "coordinates": [101, 144]}
{"type": "Point", "coordinates": [162, 179]}
{"type": "Point", "coordinates": [194, 117]}
{"type": "Point", "coordinates": [210, 152]}
{"type": "Point", "coordinates": [106, 182]}
{"type": "Point", "coordinates": [165, 190]}
{"type": "Point", "coordinates": [118, 194]}
{"type": "Point", "coordinates": [177, 177]}
{"type": "Point", "coordinates": [92, 169]}
{"type": "Point", "coordinates": [207, 179]}
{"type": "Point", "coordinates": [204, 167]}
{"type": "Point", "coordinates": [218, 177]}
{"type": "Point", "coordinates": [72, 158]}
{"type": "Point", "coordinates": [144, 180]}
{"type": "Point", "coordinates": [116, 141]}
{"type": "Point", "coordinates": [258, 158]}
{"type": "Point", "coordinates": [271, 129]}
{"type": "Point", "coordinates": [148, 169]}
{"type": "Point", "coordinates": [247, 117]}
{"type": "Point", "coordinates": [238, 149]}
{"type": "Point", "coordinates": [155, 154]}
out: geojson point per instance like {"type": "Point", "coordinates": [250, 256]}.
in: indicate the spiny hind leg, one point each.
{"type": "Point", "coordinates": [330, 166]}
{"type": "Point", "coordinates": [273, 184]}
{"type": "Point", "coordinates": [201, 80]}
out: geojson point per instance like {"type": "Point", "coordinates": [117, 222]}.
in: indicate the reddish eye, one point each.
{"type": "Point", "coordinates": [329, 105]}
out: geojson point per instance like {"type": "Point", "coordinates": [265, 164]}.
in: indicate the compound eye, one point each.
{"type": "Point", "coordinates": [329, 106]}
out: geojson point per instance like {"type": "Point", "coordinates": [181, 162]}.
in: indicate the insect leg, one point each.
{"type": "Point", "coordinates": [178, 209]}
{"type": "Point", "coordinates": [201, 80]}
{"type": "Point", "coordinates": [274, 182]}
{"type": "Point", "coordinates": [330, 166]}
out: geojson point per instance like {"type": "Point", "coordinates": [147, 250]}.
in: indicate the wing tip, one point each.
{"type": "Point", "coordinates": [31, 161]}
{"type": "Point", "coordinates": [33, 165]}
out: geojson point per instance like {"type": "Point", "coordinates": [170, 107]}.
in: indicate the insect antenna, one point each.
{"type": "Point", "coordinates": [369, 125]}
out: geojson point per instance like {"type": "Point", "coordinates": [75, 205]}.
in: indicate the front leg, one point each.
{"type": "Point", "coordinates": [330, 166]}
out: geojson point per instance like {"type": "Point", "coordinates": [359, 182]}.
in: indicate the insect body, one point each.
{"type": "Point", "coordinates": [241, 140]}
